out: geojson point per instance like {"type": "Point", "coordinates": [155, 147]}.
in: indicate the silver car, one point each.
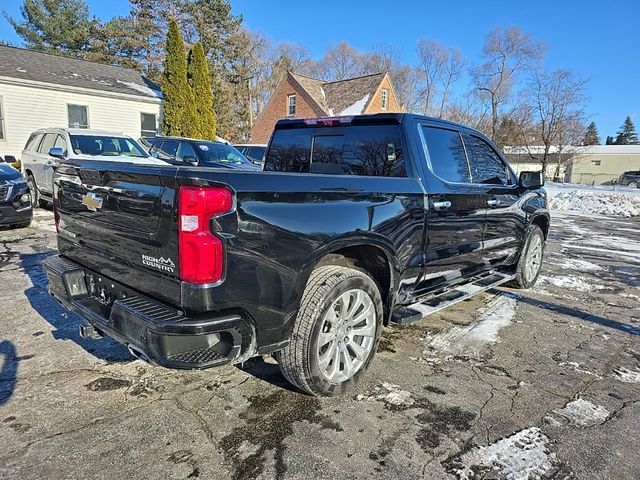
{"type": "Point", "coordinates": [47, 146]}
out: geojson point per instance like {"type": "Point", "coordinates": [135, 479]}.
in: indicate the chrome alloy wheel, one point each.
{"type": "Point", "coordinates": [346, 336]}
{"type": "Point", "coordinates": [534, 258]}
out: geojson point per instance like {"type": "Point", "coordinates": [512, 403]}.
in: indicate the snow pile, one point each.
{"type": "Point", "coordinates": [150, 92]}
{"type": "Point", "coordinates": [583, 413]}
{"type": "Point", "coordinates": [598, 200]}
{"type": "Point", "coordinates": [471, 340]}
{"type": "Point", "coordinates": [627, 376]}
{"type": "Point", "coordinates": [521, 456]}
{"type": "Point", "coordinates": [356, 108]}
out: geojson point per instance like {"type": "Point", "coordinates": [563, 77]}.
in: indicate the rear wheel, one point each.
{"type": "Point", "coordinates": [632, 184]}
{"type": "Point", "coordinates": [336, 332]}
{"type": "Point", "coordinates": [528, 268]}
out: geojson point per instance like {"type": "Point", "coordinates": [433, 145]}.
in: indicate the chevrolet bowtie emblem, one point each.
{"type": "Point", "coordinates": [92, 201]}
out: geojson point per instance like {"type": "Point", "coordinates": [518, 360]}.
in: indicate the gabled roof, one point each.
{"type": "Point", "coordinates": [343, 97]}
{"type": "Point", "coordinates": [30, 65]}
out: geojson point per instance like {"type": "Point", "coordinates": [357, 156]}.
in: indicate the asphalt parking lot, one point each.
{"type": "Point", "coordinates": [511, 384]}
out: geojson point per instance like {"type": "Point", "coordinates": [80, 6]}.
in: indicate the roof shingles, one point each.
{"type": "Point", "coordinates": [336, 97]}
{"type": "Point", "coordinates": [49, 68]}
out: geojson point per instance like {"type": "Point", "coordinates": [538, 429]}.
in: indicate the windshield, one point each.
{"type": "Point", "coordinates": [221, 153]}
{"type": "Point", "coordinates": [106, 146]}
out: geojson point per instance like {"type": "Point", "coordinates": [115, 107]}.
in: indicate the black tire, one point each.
{"type": "Point", "coordinates": [35, 195]}
{"type": "Point", "coordinates": [520, 280]}
{"type": "Point", "coordinates": [632, 184]}
{"type": "Point", "coordinates": [298, 361]}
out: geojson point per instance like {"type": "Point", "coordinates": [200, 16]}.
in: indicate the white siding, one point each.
{"type": "Point", "coordinates": [28, 108]}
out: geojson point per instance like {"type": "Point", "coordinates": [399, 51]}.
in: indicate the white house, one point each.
{"type": "Point", "coordinates": [40, 90]}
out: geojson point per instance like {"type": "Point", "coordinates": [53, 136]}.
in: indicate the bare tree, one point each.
{"type": "Point", "coordinates": [451, 73]}
{"type": "Point", "coordinates": [556, 108]}
{"type": "Point", "coordinates": [432, 57]}
{"type": "Point", "coordinates": [507, 54]}
{"type": "Point", "coordinates": [440, 67]}
{"type": "Point", "coordinates": [386, 58]}
{"type": "Point", "coordinates": [339, 63]}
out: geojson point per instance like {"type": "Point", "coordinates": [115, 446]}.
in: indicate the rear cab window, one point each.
{"type": "Point", "coordinates": [364, 150]}
{"type": "Point", "coordinates": [447, 156]}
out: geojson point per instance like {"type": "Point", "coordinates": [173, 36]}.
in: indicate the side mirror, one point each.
{"type": "Point", "coordinates": [531, 179]}
{"type": "Point", "coordinates": [190, 160]}
{"type": "Point", "coordinates": [56, 152]}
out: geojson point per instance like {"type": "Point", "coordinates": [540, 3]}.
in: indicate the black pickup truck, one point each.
{"type": "Point", "coordinates": [354, 222]}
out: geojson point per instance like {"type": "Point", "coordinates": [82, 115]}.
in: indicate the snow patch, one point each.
{"type": "Point", "coordinates": [391, 395]}
{"type": "Point", "coordinates": [627, 376]}
{"type": "Point", "coordinates": [577, 368]}
{"type": "Point", "coordinates": [570, 282]}
{"type": "Point", "coordinates": [521, 456]}
{"type": "Point", "coordinates": [583, 413]}
{"type": "Point", "coordinates": [577, 264]}
{"type": "Point", "coordinates": [356, 108]}
{"type": "Point", "coordinates": [472, 339]}
{"type": "Point", "coordinates": [150, 92]}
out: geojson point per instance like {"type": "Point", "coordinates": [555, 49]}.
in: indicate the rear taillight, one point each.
{"type": "Point", "coordinates": [201, 252]}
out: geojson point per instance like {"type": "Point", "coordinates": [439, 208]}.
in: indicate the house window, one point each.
{"type": "Point", "coordinates": [291, 104]}
{"type": "Point", "coordinates": [78, 117]}
{"type": "Point", "coordinates": [1, 121]}
{"type": "Point", "coordinates": [595, 162]}
{"type": "Point", "coordinates": [385, 99]}
{"type": "Point", "coordinates": [148, 126]}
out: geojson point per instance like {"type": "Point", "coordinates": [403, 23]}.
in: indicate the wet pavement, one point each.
{"type": "Point", "coordinates": [542, 383]}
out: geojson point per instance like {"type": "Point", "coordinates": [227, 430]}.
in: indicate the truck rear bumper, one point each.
{"type": "Point", "coordinates": [150, 329]}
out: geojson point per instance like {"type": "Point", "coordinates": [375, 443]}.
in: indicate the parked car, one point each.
{"type": "Point", "coordinates": [253, 151]}
{"type": "Point", "coordinates": [204, 153]}
{"type": "Point", "coordinates": [355, 222]}
{"type": "Point", "coordinates": [46, 147]}
{"type": "Point", "coordinates": [15, 198]}
{"type": "Point", "coordinates": [630, 179]}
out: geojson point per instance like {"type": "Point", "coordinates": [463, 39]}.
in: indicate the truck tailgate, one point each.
{"type": "Point", "coordinates": [120, 224]}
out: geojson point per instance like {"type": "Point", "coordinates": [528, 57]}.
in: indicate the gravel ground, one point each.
{"type": "Point", "coordinates": [511, 384]}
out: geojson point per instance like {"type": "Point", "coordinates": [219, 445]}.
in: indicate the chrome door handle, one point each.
{"type": "Point", "coordinates": [494, 202]}
{"type": "Point", "coordinates": [441, 205]}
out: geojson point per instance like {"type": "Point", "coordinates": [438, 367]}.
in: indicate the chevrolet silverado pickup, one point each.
{"type": "Point", "coordinates": [353, 223]}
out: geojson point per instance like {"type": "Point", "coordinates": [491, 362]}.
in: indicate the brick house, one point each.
{"type": "Point", "coordinates": [300, 96]}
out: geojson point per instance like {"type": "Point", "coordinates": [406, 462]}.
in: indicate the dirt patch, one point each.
{"type": "Point", "coordinates": [269, 421]}
{"type": "Point", "coordinates": [438, 421]}
{"type": "Point", "coordinates": [104, 384]}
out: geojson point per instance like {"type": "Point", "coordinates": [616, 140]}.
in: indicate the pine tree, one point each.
{"type": "Point", "coordinates": [609, 140]}
{"type": "Point", "coordinates": [200, 83]}
{"type": "Point", "coordinates": [591, 136]}
{"type": "Point", "coordinates": [54, 25]}
{"type": "Point", "coordinates": [178, 110]}
{"type": "Point", "coordinates": [627, 135]}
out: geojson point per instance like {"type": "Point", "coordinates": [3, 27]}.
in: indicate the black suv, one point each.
{"type": "Point", "coordinates": [630, 179]}
{"type": "Point", "coordinates": [15, 198]}
{"type": "Point", "coordinates": [203, 153]}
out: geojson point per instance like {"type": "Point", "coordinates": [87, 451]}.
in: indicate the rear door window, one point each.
{"type": "Point", "coordinates": [447, 156]}
{"type": "Point", "coordinates": [47, 142]}
{"type": "Point", "coordinates": [486, 166]}
{"type": "Point", "coordinates": [372, 150]}
{"type": "Point", "coordinates": [168, 149]}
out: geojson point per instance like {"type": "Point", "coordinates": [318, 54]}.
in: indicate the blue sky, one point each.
{"type": "Point", "coordinates": [598, 40]}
